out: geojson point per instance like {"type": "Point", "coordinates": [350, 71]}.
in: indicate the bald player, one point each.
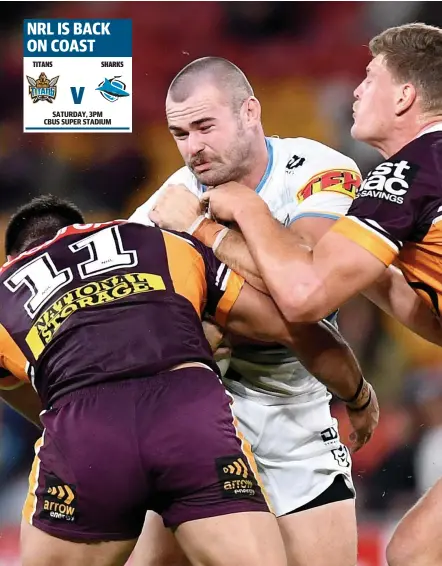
{"type": "Point", "coordinates": [281, 408]}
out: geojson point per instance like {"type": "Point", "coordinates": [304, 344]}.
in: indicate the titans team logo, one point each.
{"type": "Point", "coordinates": [42, 88]}
{"type": "Point", "coordinates": [112, 89]}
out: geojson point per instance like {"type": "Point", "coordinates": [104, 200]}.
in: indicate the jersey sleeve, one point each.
{"type": "Point", "coordinates": [223, 284]}
{"type": "Point", "coordinates": [329, 188]}
{"type": "Point", "coordinates": [384, 214]}
{"type": "Point", "coordinates": [183, 176]}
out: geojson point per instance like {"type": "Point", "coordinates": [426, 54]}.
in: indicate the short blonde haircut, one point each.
{"type": "Point", "coordinates": [413, 53]}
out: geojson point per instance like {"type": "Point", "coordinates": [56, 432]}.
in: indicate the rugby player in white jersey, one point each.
{"type": "Point", "coordinates": [283, 411]}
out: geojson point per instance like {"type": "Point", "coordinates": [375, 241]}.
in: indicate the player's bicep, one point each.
{"type": "Point", "coordinates": [309, 230]}
{"type": "Point", "coordinates": [342, 268]}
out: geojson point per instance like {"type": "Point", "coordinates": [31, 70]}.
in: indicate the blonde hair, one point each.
{"type": "Point", "coordinates": [413, 53]}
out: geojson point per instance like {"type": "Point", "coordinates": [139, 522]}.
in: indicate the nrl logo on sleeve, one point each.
{"type": "Point", "coordinates": [42, 88]}
{"type": "Point", "coordinates": [389, 181]}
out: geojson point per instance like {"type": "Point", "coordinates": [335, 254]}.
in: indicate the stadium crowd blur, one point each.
{"type": "Point", "coordinates": [304, 59]}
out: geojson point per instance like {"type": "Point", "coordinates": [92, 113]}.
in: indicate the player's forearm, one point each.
{"type": "Point", "coordinates": [395, 297]}
{"type": "Point", "coordinates": [233, 251]}
{"type": "Point", "coordinates": [327, 356]}
{"type": "Point", "coordinates": [285, 267]}
{"type": "Point", "coordinates": [229, 247]}
{"type": "Point", "coordinates": [25, 401]}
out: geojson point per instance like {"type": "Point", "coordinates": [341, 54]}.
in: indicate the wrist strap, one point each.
{"type": "Point", "coordinates": [356, 395]}
{"type": "Point", "coordinates": [206, 231]}
{"type": "Point", "coordinates": [364, 406]}
{"type": "Point", "coordinates": [220, 237]}
{"type": "Point", "coordinates": [195, 225]}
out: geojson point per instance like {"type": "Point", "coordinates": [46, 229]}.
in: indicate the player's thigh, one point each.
{"type": "Point", "coordinates": [42, 549]}
{"type": "Point", "coordinates": [157, 546]}
{"type": "Point", "coordinates": [233, 540]}
{"type": "Point", "coordinates": [417, 539]}
{"type": "Point", "coordinates": [323, 536]}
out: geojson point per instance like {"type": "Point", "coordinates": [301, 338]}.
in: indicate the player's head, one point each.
{"type": "Point", "coordinates": [215, 119]}
{"type": "Point", "coordinates": [37, 221]}
{"type": "Point", "coordinates": [403, 85]}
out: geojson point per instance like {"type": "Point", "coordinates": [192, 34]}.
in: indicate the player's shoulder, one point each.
{"type": "Point", "coordinates": [422, 156]}
{"type": "Point", "coordinates": [414, 166]}
{"type": "Point", "coordinates": [312, 154]}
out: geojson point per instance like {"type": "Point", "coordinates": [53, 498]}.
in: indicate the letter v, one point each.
{"type": "Point", "coordinates": [77, 95]}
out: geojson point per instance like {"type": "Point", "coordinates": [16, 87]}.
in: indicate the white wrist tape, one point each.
{"type": "Point", "coordinates": [219, 239]}
{"type": "Point", "coordinates": [195, 225]}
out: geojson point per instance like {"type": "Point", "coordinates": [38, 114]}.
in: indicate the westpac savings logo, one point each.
{"type": "Point", "coordinates": [42, 88]}
{"type": "Point", "coordinates": [112, 89]}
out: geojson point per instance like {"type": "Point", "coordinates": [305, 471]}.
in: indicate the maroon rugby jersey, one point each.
{"type": "Point", "coordinates": [103, 302]}
{"type": "Point", "coordinates": [397, 214]}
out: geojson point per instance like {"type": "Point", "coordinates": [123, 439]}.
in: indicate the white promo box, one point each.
{"type": "Point", "coordinates": [77, 75]}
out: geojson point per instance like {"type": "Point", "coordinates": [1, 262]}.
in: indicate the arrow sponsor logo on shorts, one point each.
{"type": "Point", "coordinates": [236, 479]}
{"type": "Point", "coordinates": [59, 500]}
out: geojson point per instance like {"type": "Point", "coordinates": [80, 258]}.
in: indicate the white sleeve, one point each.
{"type": "Point", "coordinates": [325, 204]}
{"type": "Point", "coordinates": [182, 176]}
{"type": "Point", "coordinates": [329, 189]}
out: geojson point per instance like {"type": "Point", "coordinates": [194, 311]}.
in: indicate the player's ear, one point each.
{"type": "Point", "coordinates": [406, 95]}
{"type": "Point", "coordinates": [252, 108]}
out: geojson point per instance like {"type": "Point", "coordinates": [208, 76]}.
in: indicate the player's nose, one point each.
{"type": "Point", "coordinates": [194, 144]}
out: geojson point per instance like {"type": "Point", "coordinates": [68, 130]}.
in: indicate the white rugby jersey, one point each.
{"type": "Point", "coordinates": [303, 178]}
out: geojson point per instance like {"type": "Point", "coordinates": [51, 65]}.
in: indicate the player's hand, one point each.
{"type": "Point", "coordinates": [225, 201]}
{"type": "Point", "coordinates": [176, 208]}
{"type": "Point", "coordinates": [363, 422]}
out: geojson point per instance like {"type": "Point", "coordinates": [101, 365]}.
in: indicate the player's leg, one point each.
{"type": "Point", "coordinates": [306, 472]}
{"type": "Point", "coordinates": [206, 489]}
{"type": "Point", "coordinates": [42, 549]}
{"type": "Point", "coordinates": [233, 540]}
{"type": "Point", "coordinates": [157, 546]}
{"type": "Point", "coordinates": [332, 524]}
{"type": "Point", "coordinates": [87, 488]}
{"type": "Point", "coordinates": [417, 540]}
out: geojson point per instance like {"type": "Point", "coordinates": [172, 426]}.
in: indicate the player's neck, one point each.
{"type": "Point", "coordinates": [258, 162]}
{"type": "Point", "coordinates": [403, 136]}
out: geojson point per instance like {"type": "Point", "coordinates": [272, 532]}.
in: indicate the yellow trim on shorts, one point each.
{"type": "Point", "coordinates": [30, 504]}
{"type": "Point", "coordinates": [247, 451]}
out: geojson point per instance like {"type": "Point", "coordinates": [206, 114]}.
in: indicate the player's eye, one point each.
{"type": "Point", "coordinates": [180, 135]}
{"type": "Point", "coordinates": [206, 128]}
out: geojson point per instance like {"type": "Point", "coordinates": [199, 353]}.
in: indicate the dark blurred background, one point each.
{"type": "Point", "coordinates": [304, 60]}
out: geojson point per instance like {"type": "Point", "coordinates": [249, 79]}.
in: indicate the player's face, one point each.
{"type": "Point", "coordinates": [212, 138]}
{"type": "Point", "coordinates": [374, 107]}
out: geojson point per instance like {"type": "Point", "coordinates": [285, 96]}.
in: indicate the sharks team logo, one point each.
{"type": "Point", "coordinates": [112, 89]}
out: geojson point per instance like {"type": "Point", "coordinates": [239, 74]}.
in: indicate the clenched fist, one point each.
{"type": "Point", "coordinates": [176, 208]}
